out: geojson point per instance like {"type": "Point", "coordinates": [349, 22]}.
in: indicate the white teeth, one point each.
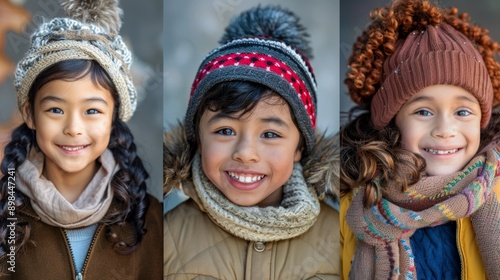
{"type": "Point", "coordinates": [72, 148]}
{"type": "Point", "coordinates": [441, 152]}
{"type": "Point", "coordinates": [245, 179]}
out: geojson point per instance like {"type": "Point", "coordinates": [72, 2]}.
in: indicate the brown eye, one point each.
{"type": "Point", "coordinates": [226, 131]}
{"type": "Point", "coordinates": [269, 134]}
{"type": "Point", "coordinates": [92, 112]}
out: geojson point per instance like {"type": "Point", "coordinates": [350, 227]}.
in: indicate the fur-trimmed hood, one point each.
{"type": "Point", "coordinates": [321, 168]}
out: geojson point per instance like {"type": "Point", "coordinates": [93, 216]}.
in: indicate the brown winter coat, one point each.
{"type": "Point", "coordinates": [196, 248]}
{"type": "Point", "coordinates": [47, 254]}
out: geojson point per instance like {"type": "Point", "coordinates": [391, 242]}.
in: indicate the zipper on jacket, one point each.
{"type": "Point", "coordinates": [460, 253]}
{"type": "Point", "coordinates": [79, 274]}
{"type": "Point", "coordinates": [97, 231]}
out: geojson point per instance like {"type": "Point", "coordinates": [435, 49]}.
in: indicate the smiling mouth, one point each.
{"type": "Point", "coordinates": [441, 152]}
{"type": "Point", "coordinates": [72, 148]}
{"type": "Point", "coordinates": [245, 179]}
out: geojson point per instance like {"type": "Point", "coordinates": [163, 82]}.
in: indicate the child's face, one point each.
{"type": "Point", "coordinates": [73, 124]}
{"type": "Point", "coordinates": [442, 124]}
{"type": "Point", "coordinates": [250, 158]}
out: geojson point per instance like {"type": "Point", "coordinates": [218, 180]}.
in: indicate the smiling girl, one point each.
{"type": "Point", "coordinates": [248, 157]}
{"type": "Point", "coordinates": [420, 167]}
{"type": "Point", "coordinates": [79, 208]}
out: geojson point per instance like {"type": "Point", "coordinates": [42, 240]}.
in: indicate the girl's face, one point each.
{"type": "Point", "coordinates": [73, 121]}
{"type": "Point", "coordinates": [442, 124]}
{"type": "Point", "coordinates": [250, 158]}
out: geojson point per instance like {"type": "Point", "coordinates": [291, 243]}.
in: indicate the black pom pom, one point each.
{"type": "Point", "coordinates": [271, 22]}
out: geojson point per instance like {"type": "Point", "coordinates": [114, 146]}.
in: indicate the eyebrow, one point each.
{"type": "Point", "coordinates": [431, 98]}
{"type": "Point", "coordinates": [270, 120]}
{"type": "Point", "coordinates": [221, 116]}
{"type": "Point", "coordinates": [58, 99]}
{"type": "Point", "coordinates": [277, 121]}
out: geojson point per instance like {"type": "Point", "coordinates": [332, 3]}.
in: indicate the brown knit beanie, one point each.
{"type": "Point", "coordinates": [436, 55]}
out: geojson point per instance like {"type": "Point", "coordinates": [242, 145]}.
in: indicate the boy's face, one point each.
{"type": "Point", "coordinates": [442, 123]}
{"type": "Point", "coordinates": [250, 158]}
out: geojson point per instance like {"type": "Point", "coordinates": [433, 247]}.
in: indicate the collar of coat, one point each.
{"type": "Point", "coordinates": [321, 168]}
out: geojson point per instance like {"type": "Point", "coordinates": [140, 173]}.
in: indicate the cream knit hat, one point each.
{"type": "Point", "coordinates": [90, 32]}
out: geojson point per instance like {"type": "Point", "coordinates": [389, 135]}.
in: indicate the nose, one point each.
{"type": "Point", "coordinates": [73, 125]}
{"type": "Point", "coordinates": [246, 151]}
{"type": "Point", "coordinates": [445, 127]}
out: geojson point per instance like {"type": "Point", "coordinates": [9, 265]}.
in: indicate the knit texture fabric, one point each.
{"type": "Point", "coordinates": [272, 63]}
{"type": "Point", "coordinates": [297, 212]}
{"type": "Point", "coordinates": [383, 230]}
{"type": "Point", "coordinates": [438, 55]}
{"type": "Point", "coordinates": [436, 252]}
{"type": "Point", "coordinates": [65, 39]}
{"type": "Point", "coordinates": [89, 208]}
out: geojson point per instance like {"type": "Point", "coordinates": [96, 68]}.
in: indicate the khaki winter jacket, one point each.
{"type": "Point", "coordinates": [47, 254]}
{"type": "Point", "coordinates": [197, 248]}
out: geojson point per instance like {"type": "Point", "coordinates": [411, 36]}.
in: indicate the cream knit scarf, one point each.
{"type": "Point", "coordinates": [383, 250]}
{"type": "Point", "coordinates": [52, 207]}
{"type": "Point", "coordinates": [296, 214]}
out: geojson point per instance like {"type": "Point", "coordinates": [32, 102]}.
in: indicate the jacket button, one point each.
{"type": "Point", "coordinates": [259, 246]}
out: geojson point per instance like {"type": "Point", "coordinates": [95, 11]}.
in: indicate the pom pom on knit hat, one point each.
{"type": "Point", "coordinates": [90, 32]}
{"type": "Point", "coordinates": [268, 46]}
{"type": "Point", "coordinates": [272, 23]}
{"type": "Point", "coordinates": [105, 14]}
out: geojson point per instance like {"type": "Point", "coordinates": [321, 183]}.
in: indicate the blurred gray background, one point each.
{"type": "Point", "coordinates": [192, 29]}
{"type": "Point", "coordinates": [354, 16]}
{"type": "Point", "coordinates": [142, 31]}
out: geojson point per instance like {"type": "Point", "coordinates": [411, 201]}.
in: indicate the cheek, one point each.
{"type": "Point", "coordinates": [281, 157]}
{"type": "Point", "coordinates": [44, 130]}
{"type": "Point", "coordinates": [101, 130]}
{"type": "Point", "coordinates": [212, 154]}
{"type": "Point", "coordinates": [409, 135]}
{"type": "Point", "coordinates": [475, 136]}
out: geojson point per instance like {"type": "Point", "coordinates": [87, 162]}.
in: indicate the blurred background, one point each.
{"type": "Point", "coordinates": [141, 30]}
{"type": "Point", "coordinates": [354, 17]}
{"type": "Point", "coordinates": [193, 28]}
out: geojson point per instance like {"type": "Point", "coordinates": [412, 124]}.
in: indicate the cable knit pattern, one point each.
{"type": "Point", "coordinates": [436, 252]}
{"type": "Point", "coordinates": [297, 213]}
{"type": "Point", "coordinates": [64, 39]}
{"type": "Point", "coordinates": [384, 229]}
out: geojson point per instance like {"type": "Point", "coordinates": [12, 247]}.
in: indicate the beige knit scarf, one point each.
{"type": "Point", "coordinates": [296, 214]}
{"type": "Point", "coordinates": [383, 250]}
{"type": "Point", "coordinates": [52, 207]}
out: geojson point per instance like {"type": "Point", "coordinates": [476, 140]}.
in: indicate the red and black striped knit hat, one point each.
{"type": "Point", "coordinates": [265, 45]}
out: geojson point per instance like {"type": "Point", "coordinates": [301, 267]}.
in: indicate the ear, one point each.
{"type": "Point", "coordinates": [298, 154]}
{"type": "Point", "coordinates": [26, 113]}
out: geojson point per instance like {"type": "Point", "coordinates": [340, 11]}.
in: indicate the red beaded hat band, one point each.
{"type": "Point", "coordinates": [270, 63]}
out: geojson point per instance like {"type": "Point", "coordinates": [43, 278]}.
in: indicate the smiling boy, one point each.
{"type": "Point", "coordinates": [258, 173]}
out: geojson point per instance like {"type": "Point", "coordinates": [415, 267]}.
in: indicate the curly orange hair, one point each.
{"type": "Point", "coordinates": [389, 24]}
{"type": "Point", "coordinates": [371, 157]}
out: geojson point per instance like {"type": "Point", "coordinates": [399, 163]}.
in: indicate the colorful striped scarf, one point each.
{"type": "Point", "coordinates": [383, 250]}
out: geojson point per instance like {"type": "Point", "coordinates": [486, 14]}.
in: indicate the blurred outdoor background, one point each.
{"type": "Point", "coordinates": [193, 28]}
{"type": "Point", "coordinates": [354, 16]}
{"type": "Point", "coordinates": [141, 30]}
